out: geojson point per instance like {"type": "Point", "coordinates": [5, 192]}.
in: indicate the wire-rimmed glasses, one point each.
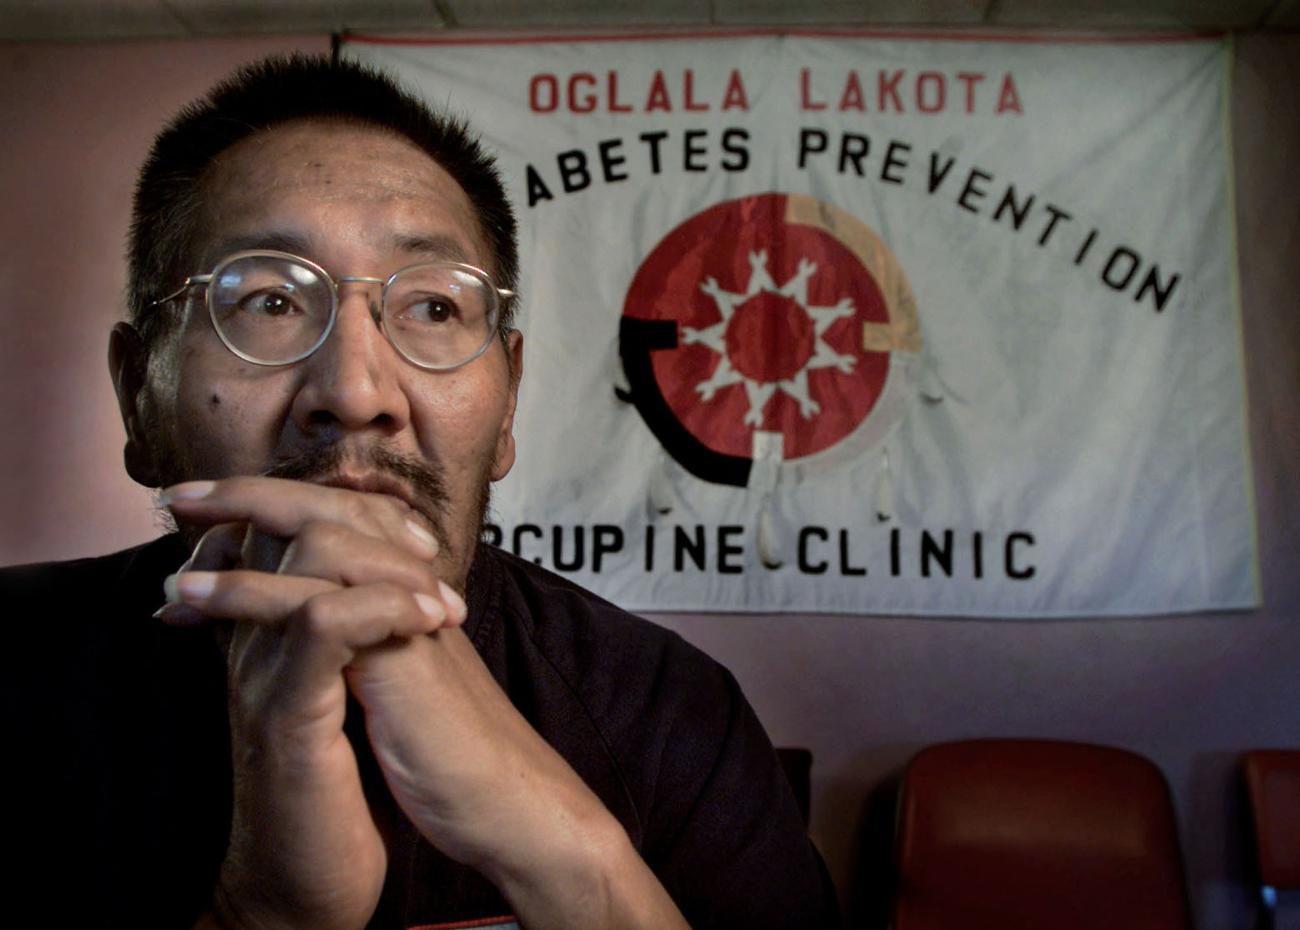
{"type": "Point", "coordinates": [274, 308]}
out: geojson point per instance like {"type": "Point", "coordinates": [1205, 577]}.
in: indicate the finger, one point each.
{"type": "Point", "coordinates": [238, 594]}
{"type": "Point", "coordinates": [333, 552]}
{"type": "Point", "coordinates": [218, 548]}
{"type": "Point", "coordinates": [317, 609]}
{"type": "Point", "coordinates": [281, 508]}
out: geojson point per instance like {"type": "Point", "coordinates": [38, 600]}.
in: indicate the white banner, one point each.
{"type": "Point", "coordinates": [867, 323]}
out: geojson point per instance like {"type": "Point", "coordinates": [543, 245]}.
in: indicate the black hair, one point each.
{"type": "Point", "coordinates": [168, 205]}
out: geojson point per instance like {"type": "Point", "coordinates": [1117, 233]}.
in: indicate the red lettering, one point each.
{"type": "Point", "coordinates": [935, 80]}
{"type": "Point", "coordinates": [970, 79]}
{"type": "Point", "coordinates": [735, 95]}
{"type": "Point", "coordinates": [852, 98]}
{"type": "Point", "coordinates": [805, 77]}
{"type": "Point", "coordinates": [535, 86]}
{"type": "Point", "coordinates": [584, 104]}
{"type": "Point", "coordinates": [688, 92]}
{"type": "Point", "coordinates": [887, 89]}
{"type": "Point", "coordinates": [658, 97]}
{"type": "Point", "coordinates": [614, 105]}
{"type": "Point", "coordinates": [1009, 98]}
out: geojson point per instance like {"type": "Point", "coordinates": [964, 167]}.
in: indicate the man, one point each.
{"type": "Point", "coordinates": [348, 711]}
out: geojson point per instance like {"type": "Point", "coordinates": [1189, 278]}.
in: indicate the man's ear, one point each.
{"type": "Point", "coordinates": [505, 453]}
{"type": "Point", "coordinates": [128, 364]}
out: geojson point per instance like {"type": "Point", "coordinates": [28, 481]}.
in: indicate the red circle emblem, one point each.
{"type": "Point", "coordinates": [771, 304]}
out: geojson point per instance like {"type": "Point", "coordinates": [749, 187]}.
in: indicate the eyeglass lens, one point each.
{"type": "Point", "coordinates": [276, 310]}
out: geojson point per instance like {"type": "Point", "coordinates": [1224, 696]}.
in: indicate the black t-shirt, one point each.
{"type": "Point", "coordinates": [119, 758]}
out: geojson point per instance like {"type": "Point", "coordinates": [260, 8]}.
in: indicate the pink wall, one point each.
{"type": "Point", "coordinates": [863, 692]}
{"type": "Point", "coordinates": [77, 120]}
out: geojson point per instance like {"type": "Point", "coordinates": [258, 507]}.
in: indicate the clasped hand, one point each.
{"type": "Point", "coordinates": [330, 591]}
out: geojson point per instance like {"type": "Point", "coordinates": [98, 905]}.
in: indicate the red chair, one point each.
{"type": "Point", "coordinates": [1005, 834]}
{"type": "Point", "coordinates": [1273, 786]}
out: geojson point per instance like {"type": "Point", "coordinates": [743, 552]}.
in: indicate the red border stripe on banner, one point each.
{"type": "Point", "coordinates": [1061, 38]}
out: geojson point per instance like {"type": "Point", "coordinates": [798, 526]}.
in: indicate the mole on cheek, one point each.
{"type": "Point", "coordinates": [214, 401]}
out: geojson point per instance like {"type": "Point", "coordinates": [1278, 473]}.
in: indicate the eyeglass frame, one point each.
{"type": "Point", "coordinates": [499, 294]}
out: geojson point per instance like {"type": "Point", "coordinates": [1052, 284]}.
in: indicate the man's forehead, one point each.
{"type": "Point", "coordinates": [273, 189]}
{"type": "Point", "coordinates": [424, 246]}
{"type": "Point", "coordinates": [321, 151]}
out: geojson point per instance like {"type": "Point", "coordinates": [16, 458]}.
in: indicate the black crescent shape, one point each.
{"type": "Point", "coordinates": [636, 340]}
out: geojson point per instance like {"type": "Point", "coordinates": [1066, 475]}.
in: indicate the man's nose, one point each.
{"type": "Point", "coordinates": [353, 381]}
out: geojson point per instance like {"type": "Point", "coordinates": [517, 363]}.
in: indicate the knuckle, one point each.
{"type": "Point", "coordinates": [317, 617]}
{"type": "Point", "coordinates": [392, 599]}
{"type": "Point", "coordinates": [319, 535]}
{"type": "Point", "coordinates": [357, 510]}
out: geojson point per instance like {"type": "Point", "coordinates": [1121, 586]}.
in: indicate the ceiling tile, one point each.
{"type": "Point", "coordinates": [1120, 14]}
{"type": "Point", "coordinates": [1285, 14]}
{"type": "Point", "coordinates": [507, 14]}
{"type": "Point", "coordinates": [846, 12]}
{"type": "Point", "coordinates": [225, 17]}
{"type": "Point", "coordinates": [86, 19]}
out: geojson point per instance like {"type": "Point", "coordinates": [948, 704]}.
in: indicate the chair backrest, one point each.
{"type": "Point", "coordinates": [1273, 785]}
{"type": "Point", "coordinates": [1020, 834]}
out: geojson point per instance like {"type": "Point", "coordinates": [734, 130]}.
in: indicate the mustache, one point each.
{"type": "Point", "coordinates": [425, 480]}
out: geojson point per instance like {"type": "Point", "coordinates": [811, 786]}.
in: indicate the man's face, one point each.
{"type": "Point", "coordinates": [357, 201]}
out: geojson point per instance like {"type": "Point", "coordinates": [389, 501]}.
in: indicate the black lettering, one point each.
{"type": "Point", "coordinates": [971, 188]}
{"type": "Point", "coordinates": [1152, 282]}
{"type": "Point", "coordinates": [1087, 245]}
{"type": "Point", "coordinates": [557, 548]}
{"type": "Point", "coordinates": [492, 534]}
{"type": "Point", "coordinates": [605, 540]}
{"type": "Point", "coordinates": [845, 568]}
{"type": "Point", "coordinates": [684, 545]}
{"type": "Point", "coordinates": [811, 142]}
{"type": "Point", "coordinates": [1133, 261]}
{"type": "Point", "coordinates": [537, 189]}
{"type": "Point", "coordinates": [573, 170]}
{"type": "Point", "coordinates": [1009, 556]}
{"type": "Point", "coordinates": [609, 161]}
{"type": "Point", "coordinates": [726, 549]}
{"type": "Point", "coordinates": [853, 148]}
{"type": "Point", "coordinates": [930, 549]}
{"type": "Point", "coordinates": [653, 139]}
{"type": "Point", "coordinates": [1018, 211]}
{"type": "Point", "coordinates": [650, 548]}
{"type": "Point", "coordinates": [1057, 214]}
{"type": "Point", "coordinates": [886, 169]}
{"type": "Point", "coordinates": [516, 539]}
{"type": "Point", "coordinates": [937, 174]}
{"type": "Point", "coordinates": [977, 553]}
{"type": "Point", "coordinates": [689, 151]}
{"type": "Point", "coordinates": [895, 569]}
{"type": "Point", "coordinates": [737, 149]}
{"type": "Point", "coordinates": [805, 566]}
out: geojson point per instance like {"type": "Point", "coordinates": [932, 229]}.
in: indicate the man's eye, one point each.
{"type": "Point", "coordinates": [431, 310]}
{"type": "Point", "coordinates": [268, 303]}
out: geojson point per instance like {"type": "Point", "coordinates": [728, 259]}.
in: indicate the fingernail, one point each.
{"type": "Point", "coordinates": [188, 491]}
{"type": "Point", "coordinates": [189, 587]}
{"type": "Point", "coordinates": [455, 603]}
{"type": "Point", "coordinates": [431, 606]}
{"type": "Point", "coordinates": [424, 536]}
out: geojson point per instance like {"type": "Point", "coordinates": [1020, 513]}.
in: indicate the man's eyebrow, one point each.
{"type": "Point", "coordinates": [435, 246]}
{"type": "Point", "coordinates": [443, 247]}
{"type": "Point", "coordinates": [276, 241]}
